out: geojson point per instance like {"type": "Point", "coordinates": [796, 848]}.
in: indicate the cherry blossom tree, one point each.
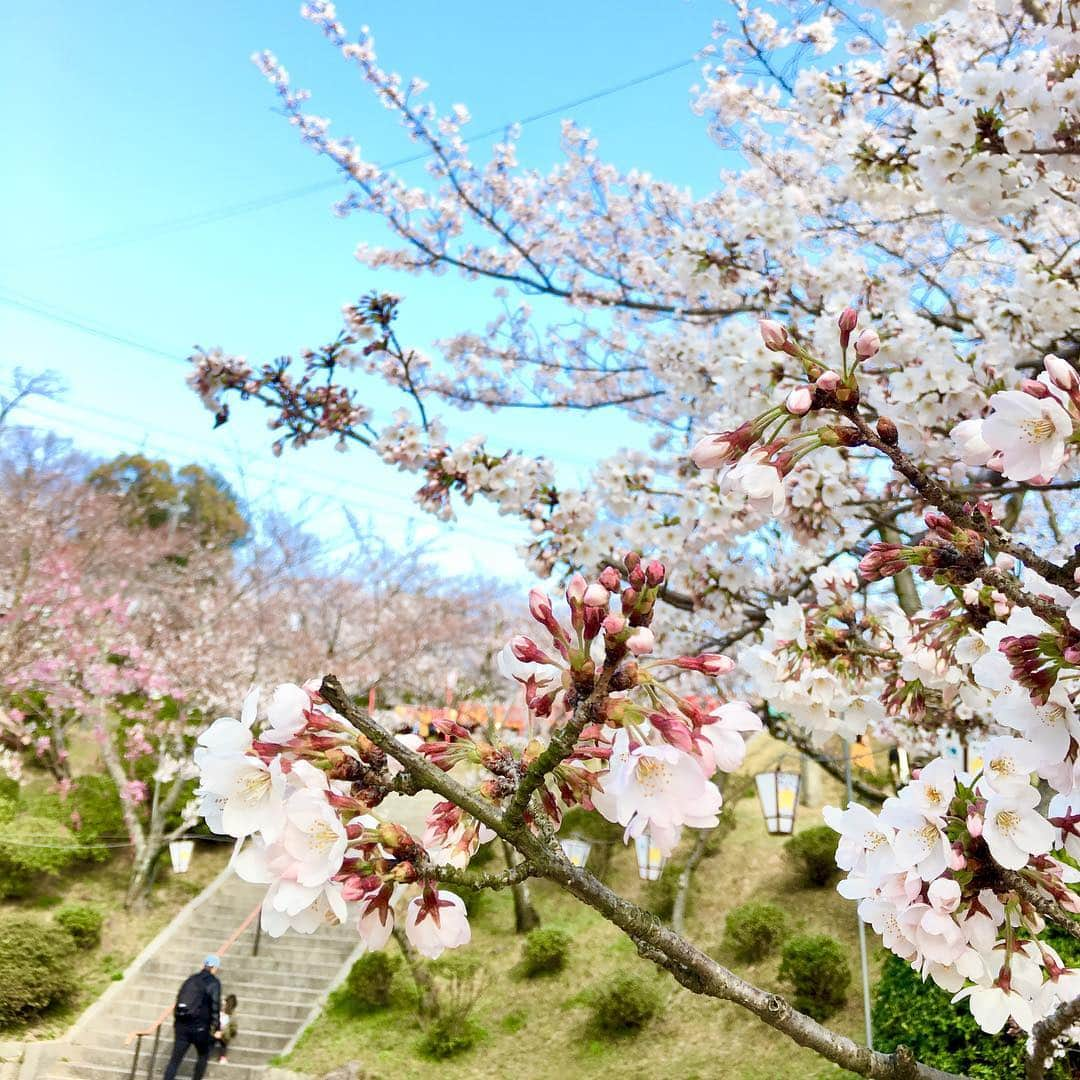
{"type": "Point", "coordinates": [857, 365]}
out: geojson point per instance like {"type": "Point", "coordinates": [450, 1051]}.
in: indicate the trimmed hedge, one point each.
{"type": "Point", "coordinates": [367, 986]}
{"type": "Point", "coordinates": [544, 952]}
{"type": "Point", "coordinates": [813, 854]}
{"type": "Point", "coordinates": [83, 923]}
{"type": "Point", "coordinates": [626, 1003]}
{"type": "Point", "coordinates": [32, 847]}
{"type": "Point", "coordinates": [752, 931]}
{"type": "Point", "coordinates": [36, 968]}
{"type": "Point", "coordinates": [816, 967]}
{"type": "Point", "coordinates": [921, 1016]}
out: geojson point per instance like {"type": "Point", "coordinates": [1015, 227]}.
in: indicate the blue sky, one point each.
{"type": "Point", "coordinates": [134, 118]}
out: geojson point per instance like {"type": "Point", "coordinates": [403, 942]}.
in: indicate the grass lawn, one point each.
{"type": "Point", "coordinates": [538, 1029]}
{"type": "Point", "coordinates": [124, 933]}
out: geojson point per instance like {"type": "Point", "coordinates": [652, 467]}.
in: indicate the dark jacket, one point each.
{"type": "Point", "coordinates": [209, 1015]}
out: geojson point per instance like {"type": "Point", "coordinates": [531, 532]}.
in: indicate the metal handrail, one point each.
{"type": "Point", "coordinates": [155, 1028]}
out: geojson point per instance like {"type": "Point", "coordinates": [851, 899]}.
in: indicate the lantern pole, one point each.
{"type": "Point", "coordinates": [865, 967]}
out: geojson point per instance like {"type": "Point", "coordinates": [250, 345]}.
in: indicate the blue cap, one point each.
{"type": "Point", "coordinates": [212, 960]}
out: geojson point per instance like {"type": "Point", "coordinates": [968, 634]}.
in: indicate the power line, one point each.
{"type": "Point", "coordinates": [41, 310]}
{"type": "Point", "coordinates": [105, 241]}
{"type": "Point", "coordinates": [73, 320]}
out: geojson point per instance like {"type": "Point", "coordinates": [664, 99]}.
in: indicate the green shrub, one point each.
{"type": "Point", "coordinates": [83, 923]}
{"type": "Point", "coordinates": [459, 981]}
{"type": "Point", "coordinates": [446, 1036]}
{"type": "Point", "coordinates": [32, 847]}
{"type": "Point", "coordinates": [96, 802]}
{"type": "Point", "coordinates": [752, 931]}
{"type": "Point", "coordinates": [813, 853]}
{"type": "Point", "coordinates": [368, 984]}
{"type": "Point", "coordinates": [816, 967]}
{"type": "Point", "coordinates": [544, 951]}
{"type": "Point", "coordinates": [921, 1016]}
{"type": "Point", "coordinates": [35, 968]}
{"type": "Point", "coordinates": [626, 1003]}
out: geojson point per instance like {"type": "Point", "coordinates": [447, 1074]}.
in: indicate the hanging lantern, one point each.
{"type": "Point", "coordinates": [180, 852]}
{"type": "Point", "coordinates": [650, 859]}
{"type": "Point", "coordinates": [576, 850]}
{"type": "Point", "coordinates": [975, 755]}
{"type": "Point", "coordinates": [903, 766]}
{"type": "Point", "coordinates": [778, 793]}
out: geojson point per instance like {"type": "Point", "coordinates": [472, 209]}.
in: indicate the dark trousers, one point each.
{"type": "Point", "coordinates": [188, 1035]}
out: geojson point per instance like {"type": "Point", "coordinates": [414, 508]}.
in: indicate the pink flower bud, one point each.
{"type": "Point", "coordinates": [672, 730]}
{"type": "Point", "coordinates": [867, 344]}
{"type": "Point", "coordinates": [527, 651]}
{"type": "Point", "coordinates": [610, 579]}
{"type": "Point", "coordinates": [575, 591]}
{"type": "Point", "coordinates": [1035, 388]}
{"type": "Point", "coordinates": [849, 317]}
{"type": "Point", "coordinates": [1062, 374]}
{"type": "Point", "coordinates": [714, 664]}
{"type": "Point", "coordinates": [641, 641]}
{"type": "Point", "coordinates": [828, 381]}
{"type": "Point", "coordinates": [799, 401]}
{"type": "Point", "coordinates": [654, 572]}
{"type": "Point", "coordinates": [773, 334]}
{"type": "Point", "coordinates": [974, 823]}
{"type": "Point", "coordinates": [956, 858]}
{"type": "Point", "coordinates": [614, 624]}
{"type": "Point", "coordinates": [539, 605]}
{"type": "Point", "coordinates": [596, 595]}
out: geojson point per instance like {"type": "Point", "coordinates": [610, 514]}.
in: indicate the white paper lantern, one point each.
{"type": "Point", "coordinates": [180, 852]}
{"type": "Point", "coordinates": [778, 794]}
{"type": "Point", "coordinates": [576, 850]}
{"type": "Point", "coordinates": [650, 859]}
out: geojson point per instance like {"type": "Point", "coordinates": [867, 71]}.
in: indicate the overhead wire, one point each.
{"type": "Point", "coordinates": [105, 241]}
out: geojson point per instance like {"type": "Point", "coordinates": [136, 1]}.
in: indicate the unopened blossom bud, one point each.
{"type": "Point", "coordinates": [1062, 374]}
{"type": "Point", "coordinates": [672, 730]}
{"type": "Point", "coordinates": [1035, 388]}
{"type": "Point", "coordinates": [540, 605]}
{"type": "Point", "coordinates": [596, 595]}
{"type": "Point", "coordinates": [527, 651]}
{"type": "Point", "coordinates": [713, 664]}
{"type": "Point", "coordinates": [957, 861]}
{"type": "Point", "coordinates": [721, 448]}
{"type": "Point", "coordinates": [629, 600]}
{"type": "Point", "coordinates": [641, 641]}
{"type": "Point", "coordinates": [614, 624]}
{"type": "Point", "coordinates": [609, 578]}
{"type": "Point", "coordinates": [849, 317]}
{"type": "Point", "coordinates": [799, 401]}
{"type": "Point", "coordinates": [828, 381]}
{"type": "Point", "coordinates": [394, 837]}
{"type": "Point", "coordinates": [655, 572]}
{"type": "Point", "coordinates": [637, 578]}
{"type": "Point", "coordinates": [575, 591]}
{"type": "Point", "coordinates": [773, 334]}
{"type": "Point", "coordinates": [867, 344]}
{"type": "Point", "coordinates": [887, 432]}
{"type": "Point", "coordinates": [974, 823]}
{"type": "Point", "coordinates": [630, 560]}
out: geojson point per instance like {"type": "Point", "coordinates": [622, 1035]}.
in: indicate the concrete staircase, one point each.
{"type": "Point", "coordinates": [278, 991]}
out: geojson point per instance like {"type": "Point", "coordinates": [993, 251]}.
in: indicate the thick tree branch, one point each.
{"type": "Point", "coordinates": [689, 965]}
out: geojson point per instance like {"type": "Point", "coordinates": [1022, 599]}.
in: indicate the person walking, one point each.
{"type": "Point", "coordinates": [197, 1015]}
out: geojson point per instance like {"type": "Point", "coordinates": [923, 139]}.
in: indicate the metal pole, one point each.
{"type": "Point", "coordinates": [258, 934]}
{"type": "Point", "coordinates": [135, 1059]}
{"type": "Point", "coordinates": [153, 1053]}
{"type": "Point", "coordinates": [858, 918]}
